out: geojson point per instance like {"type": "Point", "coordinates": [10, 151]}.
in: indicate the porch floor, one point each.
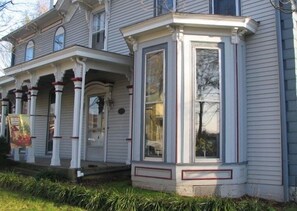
{"type": "Point", "coordinates": [89, 168]}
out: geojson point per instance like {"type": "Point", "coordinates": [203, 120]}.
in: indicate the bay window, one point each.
{"type": "Point", "coordinates": [154, 104]}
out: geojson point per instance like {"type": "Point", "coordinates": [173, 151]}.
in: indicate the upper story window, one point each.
{"type": "Point", "coordinates": [164, 6]}
{"type": "Point", "coordinates": [29, 51]}
{"type": "Point", "coordinates": [59, 40]}
{"type": "Point", "coordinates": [225, 7]}
{"type": "Point", "coordinates": [98, 31]}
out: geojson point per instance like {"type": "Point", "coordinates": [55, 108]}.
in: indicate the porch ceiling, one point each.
{"type": "Point", "coordinates": [95, 59]}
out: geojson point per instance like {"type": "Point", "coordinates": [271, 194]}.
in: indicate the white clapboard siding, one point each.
{"type": "Point", "coordinates": [193, 6]}
{"type": "Point", "coordinates": [263, 107]}
{"type": "Point", "coordinates": [66, 120]}
{"type": "Point", "coordinates": [41, 121]}
{"type": "Point", "coordinates": [76, 33]}
{"type": "Point", "coordinates": [118, 124]}
{"type": "Point", "coordinates": [76, 30]}
{"type": "Point", "coordinates": [125, 13]}
{"type": "Point", "coordinates": [20, 53]}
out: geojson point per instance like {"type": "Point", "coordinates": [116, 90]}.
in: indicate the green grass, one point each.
{"type": "Point", "coordinates": [17, 201]}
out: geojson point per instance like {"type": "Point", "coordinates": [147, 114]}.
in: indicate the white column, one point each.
{"type": "Point", "coordinates": [32, 97]}
{"type": "Point", "coordinates": [129, 139]}
{"type": "Point", "coordinates": [18, 109]}
{"type": "Point", "coordinates": [3, 116]}
{"type": "Point", "coordinates": [75, 128]}
{"type": "Point", "coordinates": [57, 125]}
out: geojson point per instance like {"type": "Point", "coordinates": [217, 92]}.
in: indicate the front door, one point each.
{"type": "Point", "coordinates": [95, 145]}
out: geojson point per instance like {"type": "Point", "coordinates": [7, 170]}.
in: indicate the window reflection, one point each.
{"type": "Point", "coordinates": [96, 123]}
{"type": "Point", "coordinates": [51, 123]}
{"type": "Point", "coordinates": [207, 103]}
{"type": "Point", "coordinates": [154, 105]}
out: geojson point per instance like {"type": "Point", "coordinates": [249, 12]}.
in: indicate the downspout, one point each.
{"type": "Point", "coordinates": [79, 172]}
{"type": "Point", "coordinates": [283, 109]}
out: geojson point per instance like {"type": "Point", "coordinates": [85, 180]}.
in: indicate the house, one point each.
{"type": "Point", "coordinates": [199, 97]}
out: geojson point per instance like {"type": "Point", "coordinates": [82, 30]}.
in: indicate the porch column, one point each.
{"type": "Point", "coordinates": [129, 139]}
{"type": "Point", "coordinates": [32, 111]}
{"type": "Point", "coordinates": [3, 116]}
{"type": "Point", "coordinates": [18, 109]}
{"type": "Point", "coordinates": [75, 128]}
{"type": "Point", "coordinates": [57, 132]}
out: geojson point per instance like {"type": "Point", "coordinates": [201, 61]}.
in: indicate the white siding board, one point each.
{"type": "Point", "coordinates": [66, 120]}
{"type": "Point", "coordinates": [41, 122]}
{"type": "Point", "coordinates": [124, 13]}
{"type": "Point", "coordinates": [193, 6]}
{"type": "Point", "coordinates": [263, 108]}
{"type": "Point", "coordinates": [117, 147]}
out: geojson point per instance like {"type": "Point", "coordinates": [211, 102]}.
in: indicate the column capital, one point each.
{"type": "Point", "coordinates": [33, 92]}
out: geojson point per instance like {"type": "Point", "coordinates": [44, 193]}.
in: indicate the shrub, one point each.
{"type": "Point", "coordinates": [52, 175]}
{"type": "Point", "coordinates": [109, 199]}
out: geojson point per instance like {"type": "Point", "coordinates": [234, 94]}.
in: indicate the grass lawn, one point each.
{"type": "Point", "coordinates": [16, 201]}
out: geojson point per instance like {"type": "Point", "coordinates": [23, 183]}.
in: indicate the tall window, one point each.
{"type": "Point", "coordinates": [164, 6]}
{"type": "Point", "coordinates": [59, 40]}
{"type": "Point", "coordinates": [154, 104]}
{"type": "Point", "coordinates": [98, 32]}
{"type": "Point", "coordinates": [51, 122]}
{"type": "Point", "coordinates": [207, 103]}
{"type": "Point", "coordinates": [225, 7]}
{"type": "Point", "coordinates": [96, 122]}
{"type": "Point", "coordinates": [29, 51]}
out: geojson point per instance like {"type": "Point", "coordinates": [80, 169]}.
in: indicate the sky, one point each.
{"type": "Point", "coordinates": [12, 18]}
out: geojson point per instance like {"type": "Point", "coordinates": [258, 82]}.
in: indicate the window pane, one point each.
{"type": "Point", "coordinates": [59, 42]}
{"type": "Point", "coordinates": [154, 105]}
{"type": "Point", "coordinates": [29, 54]}
{"type": "Point", "coordinates": [98, 36]}
{"type": "Point", "coordinates": [51, 123]}
{"type": "Point", "coordinates": [225, 7]}
{"type": "Point", "coordinates": [164, 6]}
{"type": "Point", "coordinates": [154, 77]}
{"type": "Point", "coordinates": [207, 103]}
{"type": "Point", "coordinates": [96, 123]}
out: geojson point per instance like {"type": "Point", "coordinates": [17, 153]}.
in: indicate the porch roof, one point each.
{"type": "Point", "coordinates": [96, 59]}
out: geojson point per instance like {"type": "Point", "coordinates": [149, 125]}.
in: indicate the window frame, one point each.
{"type": "Point", "coordinates": [146, 51]}
{"type": "Point", "coordinates": [156, 6]}
{"type": "Point", "coordinates": [54, 43]}
{"type": "Point", "coordinates": [102, 11]}
{"type": "Point", "coordinates": [237, 7]}
{"type": "Point", "coordinates": [28, 46]}
{"type": "Point", "coordinates": [220, 47]}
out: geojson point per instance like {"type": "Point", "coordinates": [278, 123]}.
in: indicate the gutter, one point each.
{"type": "Point", "coordinates": [79, 172]}
{"type": "Point", "coordinates": [284, 139]}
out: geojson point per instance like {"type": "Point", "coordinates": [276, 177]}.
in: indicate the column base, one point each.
{"type": "Point", "coordinates": [73, 163]}
{"type": "Point", "coordinates": [55, 162]}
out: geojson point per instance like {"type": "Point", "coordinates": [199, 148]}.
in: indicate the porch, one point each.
{"type": "Point", "coordinates": [90, 169]}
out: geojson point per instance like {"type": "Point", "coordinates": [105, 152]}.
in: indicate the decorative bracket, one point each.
{"type": "Point", "coordinates": [59, 74]}
{"type": "Point", "coordinates": [133, 42]}
{"type": "Point", "coordinates": [237, 34]}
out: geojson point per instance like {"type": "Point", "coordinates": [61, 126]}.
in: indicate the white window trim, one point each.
{"type": "Point", "coordinates": [236, 6]}
{"type": "Point", "coordinates": [100, 9]}
{"type": "Point", "coordinates": [164, 107]}
{"type": "Point", "coordinates": [202, 159]}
